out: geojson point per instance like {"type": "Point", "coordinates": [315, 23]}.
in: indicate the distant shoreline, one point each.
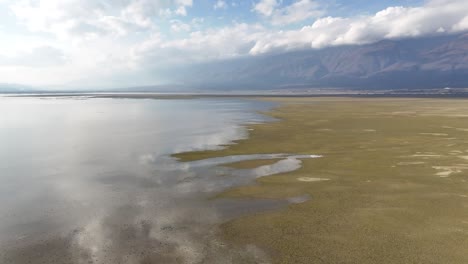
{"type": "Point", "coordinates": [148, 95]}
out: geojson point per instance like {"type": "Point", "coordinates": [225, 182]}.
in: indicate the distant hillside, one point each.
{"type": "Point", "coordinates": [411, 63]}
{"type": "Point", "coordinates": [14, 88]}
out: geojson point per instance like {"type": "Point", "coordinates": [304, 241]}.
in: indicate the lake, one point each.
{"type": "Point", "coordinates": [92, 180]}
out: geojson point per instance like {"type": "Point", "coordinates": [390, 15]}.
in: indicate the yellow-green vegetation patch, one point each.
{"type": "Point", "coordinates": [250, 164]}
{"type": "Point", "coordinates": [395, 194]}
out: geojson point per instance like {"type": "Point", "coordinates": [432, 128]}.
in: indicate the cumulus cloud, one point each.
{"type": "Point", "coordinates": [226, 42]}
{"type": "Point", "coordinates": [265, 7]}
{"type": "Point", "coordinates": [298, 11]}
{"type": "Point", "coordinates": [220, 4]}
{"type": "Point", "coordinates": [179, 26]}
{"type": "Point", "coordinates": [182, 4]}
{"type": "Point", "coordinates": [439, 17]}
{"type": "Point", "coordinates": [61, 17]}
{"type": "Point", "coordinates": [71, 17]}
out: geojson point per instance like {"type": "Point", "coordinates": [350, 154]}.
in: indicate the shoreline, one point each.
{"type": "Point", "coordinates": [150, 95]}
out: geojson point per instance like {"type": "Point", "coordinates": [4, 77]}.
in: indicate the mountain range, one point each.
{"type": "Point", "coordinates": [14, 88]}
{"type": "Point", "coordinates": [416, 63]}
{"type": "Point", "coordinates": [433, 62]}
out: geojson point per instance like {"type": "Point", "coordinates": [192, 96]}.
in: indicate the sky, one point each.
{"type": "Point", "coordinates": [121, 43]}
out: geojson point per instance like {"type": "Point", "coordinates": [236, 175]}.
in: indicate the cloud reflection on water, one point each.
{"type": "Point", "coordinates": [95, 182]}
{"type": "Point", "coordinates": [174, 222]}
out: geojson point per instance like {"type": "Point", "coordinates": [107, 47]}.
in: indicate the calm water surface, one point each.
{"type": "Point", "coordinates": [92, 180]}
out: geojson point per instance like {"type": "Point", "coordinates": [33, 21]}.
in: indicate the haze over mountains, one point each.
{"type": "Point", "coordinates": [14, 88]}
{"type": "Point", "coordinates": [192, 45]}
{"type": "Point", "coordinates": [415, 63]}
{"type": "Point", "coordinates": [434, 62]}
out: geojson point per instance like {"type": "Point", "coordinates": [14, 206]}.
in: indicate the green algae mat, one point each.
{"type": "Point", "coordinates": [391, 186]}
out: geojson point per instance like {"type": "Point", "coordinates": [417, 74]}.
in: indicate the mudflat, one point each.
{"type": "Point", "coordinates": [391, 185]}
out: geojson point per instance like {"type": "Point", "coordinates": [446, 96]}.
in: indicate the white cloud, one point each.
{"type": "Point", "coordinates": [43, 56]}
{"type": "Point", "coordinates": [440, 17]}
{"type": "Point", "coordinates": [62, 17]}
{"type": "Point", "coordinates": [265, 7]}
{"type": "Point", "coordinates": [226, 42]}
{"type": "Point", "coordinates": [184, 2]}
{"type": "Point", "coordinates": [178, 26]}
{"type": "Point", "coordinates": [220, 4]}
{"type": "Point", "coordinates": [181, 11]}
{"type": "Point", "coordinates": [67, 18]}
{"type": "Point", "coordinates": [297, 12]}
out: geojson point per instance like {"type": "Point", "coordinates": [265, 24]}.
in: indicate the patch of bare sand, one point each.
{"type": "Point", "coordinates": [434, 134]}
{"type": "Point", "coordinates": [410, 163]}
{"type": "Point", "coordinates": [427, 155]}
{"type": "Point", "coordinates": [446, 171]}
{"type": "Point", "coordinates": [311, 179]}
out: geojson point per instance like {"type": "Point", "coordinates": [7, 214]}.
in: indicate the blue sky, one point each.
{"type": "Point", "coordinates": [110, 43]}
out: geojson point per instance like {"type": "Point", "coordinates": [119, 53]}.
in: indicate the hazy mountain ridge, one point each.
{"type": "Point", "coordinates": [421, 63]}
{"type": "Point", "coordinates": [14, 88]}
{"type": "Point", "coordinates": [410, 63]}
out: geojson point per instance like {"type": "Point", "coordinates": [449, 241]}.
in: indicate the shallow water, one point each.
{"type": "Point", "coordinates": [92, 181]}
